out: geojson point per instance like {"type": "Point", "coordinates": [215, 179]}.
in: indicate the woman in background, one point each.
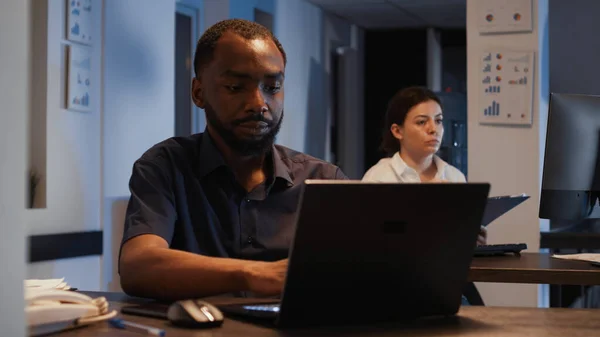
{"type": "Point", "coordinates": [412, 135]}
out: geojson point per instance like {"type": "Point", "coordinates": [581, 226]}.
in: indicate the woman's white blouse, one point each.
{"type": "Point", "coordinates": [394, 169]}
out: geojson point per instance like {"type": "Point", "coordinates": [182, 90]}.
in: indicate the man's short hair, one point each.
{"type": "Point", "coordinates": [247, 29]}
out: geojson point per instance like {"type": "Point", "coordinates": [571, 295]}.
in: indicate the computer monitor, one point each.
{"type": "Point", "coordinates": [571, 172]}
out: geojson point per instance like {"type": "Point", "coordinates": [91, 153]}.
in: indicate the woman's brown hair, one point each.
{"type": "Point", "coordinates": [398, 108]}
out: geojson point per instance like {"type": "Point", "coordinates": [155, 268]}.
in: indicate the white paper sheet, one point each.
{"type": "Point", "coordinates": [590, 257]}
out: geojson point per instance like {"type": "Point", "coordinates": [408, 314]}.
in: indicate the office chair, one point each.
{"type": "Point", "coordinates": [472, 294]}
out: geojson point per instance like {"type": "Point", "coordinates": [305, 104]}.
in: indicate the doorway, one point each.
{"type": "Point", "coordinates": [189, 119]}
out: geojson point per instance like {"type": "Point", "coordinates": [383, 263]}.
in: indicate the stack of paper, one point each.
{"type": "Point", "coordinates": [38, 285]}
{"type": "Point", "coordinates": [590, 257]}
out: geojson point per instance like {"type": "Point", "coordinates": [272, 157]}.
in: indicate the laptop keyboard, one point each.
{"type": "Point", "coordinates": [263, 307]}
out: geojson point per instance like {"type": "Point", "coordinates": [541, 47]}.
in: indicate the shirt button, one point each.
{"type": "Point", "coordinates": [247, 200]}
{"type": "Point", "coordinates": [250, 240]}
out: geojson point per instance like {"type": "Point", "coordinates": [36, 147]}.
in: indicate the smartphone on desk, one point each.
{"type": "Point", "coordinates": [153, 309]}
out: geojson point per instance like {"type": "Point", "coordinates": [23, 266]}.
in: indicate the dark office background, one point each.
{"type": "Point", "coordinates": [397, 59]}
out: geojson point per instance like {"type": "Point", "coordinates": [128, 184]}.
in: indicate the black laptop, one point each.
{"type": "Point", "coordinates": [374, 252]}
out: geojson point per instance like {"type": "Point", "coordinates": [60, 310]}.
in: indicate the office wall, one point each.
{"type": "Point", "coordinates": [299, 27]}
{"type": "Point", "coordinates": [138, 104]}
{"type": "Point", "coordinates": [72, 148]}
{"type": "Point", "coordinates": [215, 11]}
{"type": "Point", "coordinates": [138, 85]}
{"type": "Point", "coordinates": [510, 158]}
{"type": "Point", "coordinates": [573, 46]}
{"type": "Point", "coordinates": [89, 155]}
{"type": "Point", "coordinates": [244, 9]}
{"type": "Point", "coordinates": [14, 88]}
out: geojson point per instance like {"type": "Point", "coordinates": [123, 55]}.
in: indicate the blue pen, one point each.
{"type": "Point", "coordinates": [136, 327]}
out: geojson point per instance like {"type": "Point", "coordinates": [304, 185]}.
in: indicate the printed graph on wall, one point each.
{"type": "Point", "coordinates": [506, 87]}
{"type": "Point", "coordinates": [504, 16]}
{"type": "Point", "coordinates": [79, 21]}
{"type": "Point", "coordinates": [78, 83]}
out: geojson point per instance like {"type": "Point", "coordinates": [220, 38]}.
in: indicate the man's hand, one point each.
{"type": "Point", "coordinates": [482, 238]}
{"type": "Point", "coordinates": [266, 278]}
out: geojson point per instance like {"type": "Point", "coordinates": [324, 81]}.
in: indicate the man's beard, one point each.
{"type": "Point", "coordinates": [245, 147]}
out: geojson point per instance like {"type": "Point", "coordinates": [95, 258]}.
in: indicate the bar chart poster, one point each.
{"type": "Point", "coordinates": [506, 87]}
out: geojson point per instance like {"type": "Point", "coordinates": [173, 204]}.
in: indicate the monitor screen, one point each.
{"type": "Point", "coordinates": [571, 172]}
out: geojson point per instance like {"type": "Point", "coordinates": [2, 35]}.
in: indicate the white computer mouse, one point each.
{"type": "Point", "coordinates": [194, 314]}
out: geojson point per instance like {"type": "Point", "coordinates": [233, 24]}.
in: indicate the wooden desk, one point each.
{"type": "Point", "coordinates": [471, 321]}
{"type": "Point", "coordinates": [585, 239]}
{"type": "Point", "coordinates": [533, 268]}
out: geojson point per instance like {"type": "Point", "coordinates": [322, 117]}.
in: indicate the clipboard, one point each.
{"type": "Point", "coordinates": [497, 206]}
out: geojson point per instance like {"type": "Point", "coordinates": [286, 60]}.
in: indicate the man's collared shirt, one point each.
{"type": "Point", "coordinates": [183, 191]}
{"type": "Point", "coordinates": [394, 169]}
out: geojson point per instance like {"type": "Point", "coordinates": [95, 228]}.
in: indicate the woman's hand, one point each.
{"type": "Point", "coordinates": [482, 238]}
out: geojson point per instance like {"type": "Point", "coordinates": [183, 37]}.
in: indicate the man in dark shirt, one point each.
{"type": "Point", "coordinates": [214, 212]}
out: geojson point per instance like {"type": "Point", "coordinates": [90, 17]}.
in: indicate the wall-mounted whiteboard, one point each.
{"type": "Point", "coordinates": [506, 87]}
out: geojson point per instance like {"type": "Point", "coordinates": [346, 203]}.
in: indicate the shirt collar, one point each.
{"type": "Point", "coordinates": [210, 159]}
{"type": "Point", "coordinates": [441, 167]}
{"type": "Point", "coordinates": [400, 167]}
{"type": "Point", "coordinates": [280, 170]}
{"type": "Point", "coordinates": [398, 164]}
